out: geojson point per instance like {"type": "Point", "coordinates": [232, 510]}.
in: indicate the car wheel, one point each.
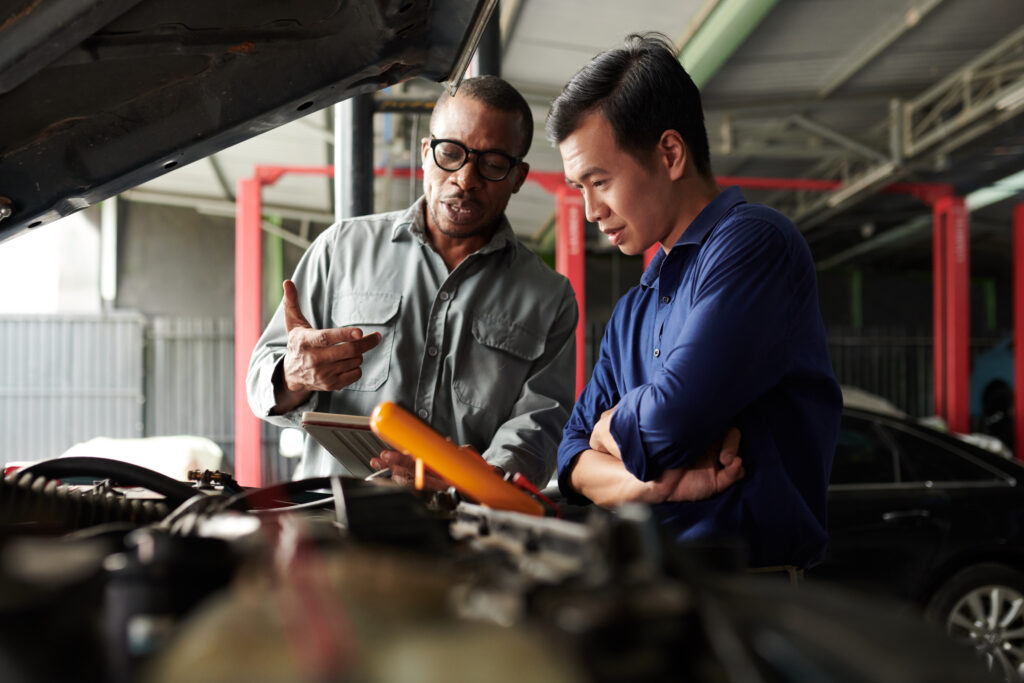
{"type": "Point", "coordinates": [983, 607]}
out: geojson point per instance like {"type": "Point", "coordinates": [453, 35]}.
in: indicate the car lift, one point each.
{"type": "Point", "coordinates": [951, 257]}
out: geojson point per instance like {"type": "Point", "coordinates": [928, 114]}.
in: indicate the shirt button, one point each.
{"type": "Point", "coordinates": [432, 351]}
{"type": "Point", "coordinates": [657, 352]}
{"type": "Point", "coordinates": [445, 296]}
{"type": "Point", "coordinates": [665, 299]}
{"type": "Point", "coordinates": [423, 413]}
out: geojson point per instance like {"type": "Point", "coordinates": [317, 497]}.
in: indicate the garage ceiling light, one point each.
{"type": "Point", "coordinates": [996, 192]}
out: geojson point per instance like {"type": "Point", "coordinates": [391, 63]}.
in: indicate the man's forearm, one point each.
{"type": "Point", "coordinates": [604, 479]}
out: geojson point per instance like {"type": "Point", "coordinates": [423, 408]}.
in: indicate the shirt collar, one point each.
{"type": "Point", "coordinates": [413, 221]}
{"type": "Point", "coordinates": [698, 230]}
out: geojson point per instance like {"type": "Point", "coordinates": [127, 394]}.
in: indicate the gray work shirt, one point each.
{"type": "Point", "coordinates": [485, 354]}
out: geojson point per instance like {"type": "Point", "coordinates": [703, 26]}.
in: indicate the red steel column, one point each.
{"type": "Point", "coordinates": [1018, 331]}
{"type": "Point", "coordinates": [952, 312]}
{"type": "Point", "coordinates": [248, 273]}
{"type": "Point", "coordinates": [570, 261]}
{"type": "Point", "coordinates": [649, 254]}
{"type": "Point", "coordinates": [939, 311]}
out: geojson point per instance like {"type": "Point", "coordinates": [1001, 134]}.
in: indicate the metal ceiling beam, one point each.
{"type": "Point", "coordinates": [915, 229]}
{"type": "Point", "coordinates": [981, 95]}
{"type": "Point", "coordinates": [695, 23]}
{"type": "Point", "coordinates": [877, 44]}
{"type": "Point", "coordinates": [989, 83]}
{"type": "Point", "coordinates": [222, 207]}
{"type": "Point", "coordinates": [912, 229]}
{"type": "Point", "coordinates": [510, 12]}
{"type": "Point", "coordinates": [838, 138]}
{"type": "Point", "coordinates": [728, 24]}
{"type": "Point", "coordinates": [222, 178]}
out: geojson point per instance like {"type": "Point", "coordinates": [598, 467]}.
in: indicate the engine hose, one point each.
{"type": "Point", "coordinates": [275, 495]}
{"type": "Point", "coordinates": [31, 503]}
{"type": "Point", "coordinates": [122, 473]}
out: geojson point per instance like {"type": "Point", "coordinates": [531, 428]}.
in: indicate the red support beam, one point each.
{"type": "Point", "coordinates": [939, 312]}
{"type": "Point", "coordinates": [926, 192]}
{"type": "Point", "coordinates": [951, 258]}
{"type": "Point", "coordinates": [1018, 331]}
{"type": "Point", "coordinates": [649, 254]}
{"type": "Point", "coordinates": [570, 262]}
{"type": "Point", "coordinates": [248, 270]}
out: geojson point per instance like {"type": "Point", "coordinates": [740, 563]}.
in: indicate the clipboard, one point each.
{"type": "Point", "coordinates": [348, 438]}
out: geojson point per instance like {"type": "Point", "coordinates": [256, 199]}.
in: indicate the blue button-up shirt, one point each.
{"type": "Point", "coordinates": [722, 331]}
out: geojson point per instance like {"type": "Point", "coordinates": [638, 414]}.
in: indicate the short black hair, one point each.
{"type": "Point", "coordinates": [496, 93]}
{"type": "Point", "coordinates": [642, 90]}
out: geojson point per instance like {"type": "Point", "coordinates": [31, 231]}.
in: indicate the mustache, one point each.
{"type": "Point", "coordinates": [460, 197]}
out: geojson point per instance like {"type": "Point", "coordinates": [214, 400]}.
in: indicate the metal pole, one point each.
{"type": "Point", "coordinates": [1018, 331]}
{"type": "Point", "coordinates": [353, 157]}
{"type": "Point", "coordinates": [570, 261]}
{"type": "Point", "coordinates": [248, 267]}
{"type": "Point", "coordinates": [108, 253]}
{"type": "Point", "coordinates": [952, 312]}
{"type": "Point", "coordinates": [488, 50]}
{"type": "Point", "coordinates": [342, 143]}
{"type": "Point", "coordinates": [361, 165]}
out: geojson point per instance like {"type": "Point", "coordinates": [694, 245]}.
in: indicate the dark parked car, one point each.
{"type": "Point", "coordinates": [935, 521]}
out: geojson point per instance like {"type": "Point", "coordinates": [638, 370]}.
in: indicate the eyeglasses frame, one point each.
{"type": "Point", "coordinates": [514, 161]}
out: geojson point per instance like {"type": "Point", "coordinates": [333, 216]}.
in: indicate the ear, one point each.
{"type": "Point", "coordinates": [424, 151]}
{"type": "Point", "coordinates": [673, 153]}
{"type": "Point", "coordinates": [522, 170]}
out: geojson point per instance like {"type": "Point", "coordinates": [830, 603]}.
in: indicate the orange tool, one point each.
{"type": "Point", "coordinates": [466, 471]}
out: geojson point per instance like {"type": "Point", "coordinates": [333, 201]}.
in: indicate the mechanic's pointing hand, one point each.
{"type": "Point", "coordinates": [317, 360]}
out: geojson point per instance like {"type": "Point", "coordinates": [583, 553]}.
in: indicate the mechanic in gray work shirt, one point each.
{"type": "Point", "coordinates": [438, 308]}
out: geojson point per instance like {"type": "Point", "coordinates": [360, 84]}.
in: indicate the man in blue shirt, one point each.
{"type": "Point", "coordinates": [722, 332]}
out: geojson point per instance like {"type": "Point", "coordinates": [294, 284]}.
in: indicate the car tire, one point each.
{"type": "Point", "coordinates": [983, 607]}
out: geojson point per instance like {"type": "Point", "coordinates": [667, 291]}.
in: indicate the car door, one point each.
{"type": "Point", "coordinates": [884, 526]}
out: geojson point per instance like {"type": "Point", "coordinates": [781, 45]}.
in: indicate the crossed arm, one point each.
{"type": "Point", "coordinates": [599, 474]}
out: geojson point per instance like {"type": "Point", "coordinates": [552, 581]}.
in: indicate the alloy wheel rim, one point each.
{"type": "Point", "coordinates": [991, 620]}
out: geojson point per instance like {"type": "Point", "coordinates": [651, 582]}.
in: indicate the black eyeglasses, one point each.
{"type": "Point", "coordinates": [491, 164]}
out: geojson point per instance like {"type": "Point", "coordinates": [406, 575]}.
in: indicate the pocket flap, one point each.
{"type": "Point", "coordinates": [503, 334]}
{"type": "Point", "coordinates": [365, 308]}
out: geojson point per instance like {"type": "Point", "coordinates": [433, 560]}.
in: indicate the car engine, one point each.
{"type": "Point", "coordinates": [111, 572]}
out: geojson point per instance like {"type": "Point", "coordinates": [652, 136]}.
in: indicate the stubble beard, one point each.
{"type": "Point", "coordinates": [487, 229]}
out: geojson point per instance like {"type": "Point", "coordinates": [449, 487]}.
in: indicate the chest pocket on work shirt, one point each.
{"type": "Point", "coordinates": [371, 312]}
{"type": "Point", "coordinates": [491, 374]}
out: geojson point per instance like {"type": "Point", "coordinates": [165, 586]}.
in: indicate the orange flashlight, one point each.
{"type": "Point", "coordinates": [467, 472]}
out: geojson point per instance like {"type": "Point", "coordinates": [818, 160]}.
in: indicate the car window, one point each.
{"type": "Point", "coordinates": [862, 455]}
{"type": "Point", "coordinates": [923, 459]}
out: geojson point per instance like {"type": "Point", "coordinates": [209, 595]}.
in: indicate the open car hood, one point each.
{"type": "Point", "coordinates": [99, 96]}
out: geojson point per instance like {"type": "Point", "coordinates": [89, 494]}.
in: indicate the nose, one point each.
{"type": "Point", "coordinates": [467, 176]}
{"type": "Point", "coordinates": [593, 208]}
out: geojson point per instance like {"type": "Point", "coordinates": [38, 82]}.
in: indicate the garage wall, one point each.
{"type": "Point", "coordinates": [64, 380]}
{"type": "Point", "coordinates": [175, 261]}
{"type": "Point", "coordinates": [67, 379]}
